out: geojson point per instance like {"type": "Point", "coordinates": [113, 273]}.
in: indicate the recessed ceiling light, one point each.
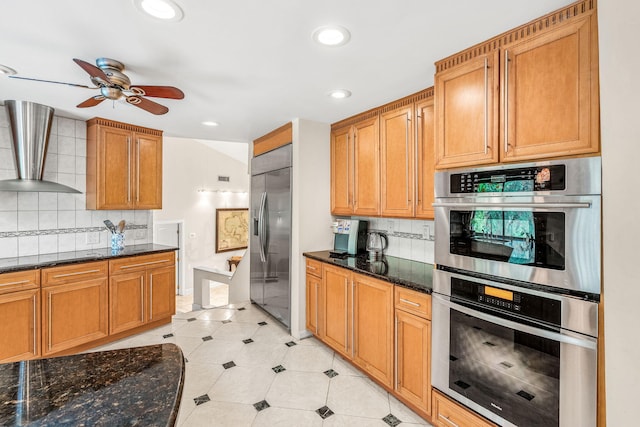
{"type": "Point", "coordinates": [331, 35]}
{"type": "Point", "coordinates": [165, 10]}
{"type": "Point", "coordinates": [7, 71]}
{"type": "Point", "coordinates": [208, 123]}
{"type": "Point", "coordinates": [340, 93]}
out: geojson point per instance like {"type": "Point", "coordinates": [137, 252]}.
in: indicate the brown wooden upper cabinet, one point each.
{"type": "Point", "coordinates": [530, 93]}
{"type": "Point", "coordinates": [382, 160]}
{"type": "Point", "coordinates": [355, 170]}
{"type": "Point", "coordinates": [274, 139]}
{"type": "Point", "coordinates": [124, 166]}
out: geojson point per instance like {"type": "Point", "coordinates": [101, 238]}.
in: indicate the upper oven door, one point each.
{"type": "Point", "coordinates": [548, 240]}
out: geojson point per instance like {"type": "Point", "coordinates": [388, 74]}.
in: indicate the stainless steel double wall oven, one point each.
{"type": "Point", "coordinates": [516, 290]}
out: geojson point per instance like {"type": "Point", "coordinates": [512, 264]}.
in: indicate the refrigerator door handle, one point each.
{"type": "Point", "coordinates": [261, 226]}
{"type": "Point", "coordinates": [265, 225]}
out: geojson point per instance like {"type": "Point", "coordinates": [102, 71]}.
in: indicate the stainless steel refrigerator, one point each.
{"type": "Point", "coordinates": [270, 243]}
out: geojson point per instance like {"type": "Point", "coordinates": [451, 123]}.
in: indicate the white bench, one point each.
{"type": "Point", "coordinates": [201, 276]}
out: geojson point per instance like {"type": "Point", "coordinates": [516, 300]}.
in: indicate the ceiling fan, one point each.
{"type": "Point", "coordinates": [113, 84]}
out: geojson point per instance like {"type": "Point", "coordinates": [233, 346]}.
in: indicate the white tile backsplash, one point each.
{"type": "Point", "coordinates": [24, 212]}
{"type": "Point", "coordinates": [28, 245]}
{"type": "Point", "coordinates": [8, 201]}
{"type": "Point", "coordinates": [407, 237]}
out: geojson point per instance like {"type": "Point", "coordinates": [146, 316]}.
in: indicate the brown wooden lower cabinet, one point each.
{"type": "Point", "coordinates": [19, 325]}
{"type": "Point", "coordinates": [314, 291]}
{"type": "Point", "coordinates": [141, 291]}
{"type": "Point", "coordinates": [73, 314]}
{"type": "Point", "coordinates": [447, 413]}
{"type": "Point", "coordinates": [413, 360]}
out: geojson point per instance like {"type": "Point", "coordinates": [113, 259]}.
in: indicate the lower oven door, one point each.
{"type": "Point", "coordinates": [514, 374]}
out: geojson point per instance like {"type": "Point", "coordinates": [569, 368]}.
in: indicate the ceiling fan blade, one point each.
{"type": "Point", "coordinates": [158, 91]}
{"type": "Point", "coordinates": [52, 81]}
{"type": "Point", "coordinates": [145, 104]}
{"type": "Point", "coordinates": [91, 102]}
{"type": "Point", "coordinates": [93, 71]}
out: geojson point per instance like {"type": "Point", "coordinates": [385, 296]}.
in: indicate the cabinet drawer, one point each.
{"type": "Point", "coordinates": [74, 273]}
{"type": "Point", "coordinates": [19, 281]}
{"type": "Point", "coordinates": [314, 267]}
{"type": "Point", "coordinates": [446, 413]}
{"type": "Point", "coordinates": [414, 302]}
{"type": "Point", "coordinates": [141, 262]}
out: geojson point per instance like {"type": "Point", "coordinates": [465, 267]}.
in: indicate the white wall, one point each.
{"type": "Point", "coordinates": [311, 217]}
{"type": "Point", "coordinates": [189, 165]}
{"type": "Point", "coordinates": [619, 31]}
{"type": "Point", "coordinates": [40, 223]}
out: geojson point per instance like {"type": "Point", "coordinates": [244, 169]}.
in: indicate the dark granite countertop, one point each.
{"type": "Point", "coordinates": [399, 271]}
{"type": "Point", "coordinates": [139, 386]}
{"type": "Point", "coordinates": [60, 258]}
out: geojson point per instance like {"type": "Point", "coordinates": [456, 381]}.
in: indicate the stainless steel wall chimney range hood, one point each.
{"type": "Point", "coordinates": [30, 125]}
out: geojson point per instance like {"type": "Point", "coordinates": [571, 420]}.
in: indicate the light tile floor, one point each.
{"type": "Point", "coordinates": [244, 369]}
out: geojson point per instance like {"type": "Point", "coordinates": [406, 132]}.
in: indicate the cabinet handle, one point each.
{"type": "Point", "coordinates": [14, 283]}
{"type": "Point", "coordinates": [417, 158]}
{"type": "Point", "coordinates": [396, 352]}
{"type": "Point", "coordinates": [353, 337]}
{"type": "Point", "coordinates": [486, 107]}
{"type": "Point", "coordinates": [124, 267]}
{"type": "Point", "coordinates": [506, 100]}
{"type": "Point", "coordinates": [142, 299]}
{"type": "Point", "coordinates": [448, 420]}
{"type": "Point", "coordinates": [150, 297]}
{"type": "Point", "coordinates": [77, 273]}
{"type": "Point", "coordinates": [311, 268]}
{"type": "Point", "coordinates": [35, 325]}
{"type": "Point", "coordinates": [406, 301]}
{"type": "Point", "coordinates": [346, 316]}
{"type": "Point", "coordinates": [347, 175]}
{"type": "Point", "coordinates": [316, 308]}
{"type": "Point", "coordinates": [406, 144]}
{"type": "Point", "coordinates": [49, 316]}
{"type": "Point", "coordinates": [137, 170]}
{"type": "Point", "coordinates": [128, 169]}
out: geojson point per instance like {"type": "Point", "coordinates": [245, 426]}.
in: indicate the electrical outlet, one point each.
{"type": "Point", "coordinates": [141, 233]}
{"type": "Point", "coordinates": [426, 233]}
{"type": "Point", "coordinates": [93, 238]}
{"type": "Point", "coordinates": [390, 226]}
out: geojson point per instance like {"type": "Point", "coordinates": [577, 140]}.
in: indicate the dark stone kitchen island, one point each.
{"type": "Point", "coordinates": [139, 386]}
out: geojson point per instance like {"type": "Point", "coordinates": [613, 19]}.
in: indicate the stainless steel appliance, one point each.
{"type": "Point", "coordinates": [537, 223]}
{"type": "Point", "coordinates": [518, 356]}
{"type": "Point", "coordinates": [376, 244]}
{"type": "Point", "coordinates": [516, 290]}
{"type": "Point", "coordinates": [270, 242]}
{"type": "Point", "coordinates": [350, 236]}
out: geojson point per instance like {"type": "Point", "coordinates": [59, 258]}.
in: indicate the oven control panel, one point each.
{"type": "Point", "coordinates": [504, 302]}
{"type": "Point", "coordinates": [500, 298]}
{"type": "Point", "coordinates": [539, 178]}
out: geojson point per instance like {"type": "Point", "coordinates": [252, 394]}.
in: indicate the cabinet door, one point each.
{"type": "Point", "coordinates": [19, 325]}
{"type": "Point", "coordinates": [425, 154]}
{"type": "Point", "coordinates": [313, 298]}
{"type": "Point", "coordinates": [162, 293]}
{"type": "Point", "coordinates": [397, 162]}
{"type": "Point", "coordinates": [447, 413]}
{"type": "Point", "coordinates": [148, 171]}
{"type": "Point", "coordinates": [366, 167]}
{"type": "Point", "coordinates": [413, 359]}
{"type": "Point", "coordinates": [341, 171]}
{"type": "Point", "coordinates": [550, 93]}
{"type": "Point", "coordinates": [127, 296]}
{"type": "Point", "coordinates": [336, 303]}
{"type": "Point", "coordinates": [74, 314]}
{"type": "Point", "coordinates": [373, 327]}
{"type": "Point", "coordinates": [115, 170]}
{"type": "Point", "coordinates": [466, 113]}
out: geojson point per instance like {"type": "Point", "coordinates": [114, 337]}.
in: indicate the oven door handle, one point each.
{"type": "Point", "coordinates": [583, 341]}
{"type": "Point", "coordinates": [555, 205]}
